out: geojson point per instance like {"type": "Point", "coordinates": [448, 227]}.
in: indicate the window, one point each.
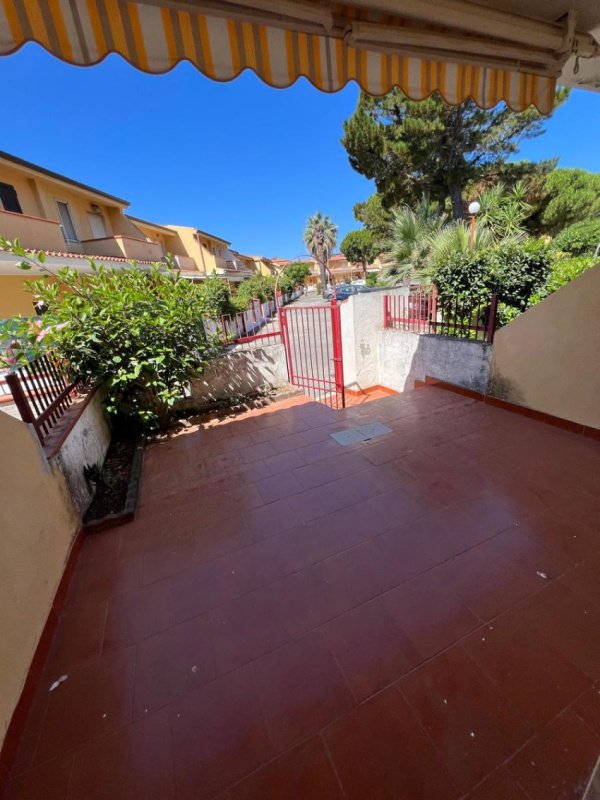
{"type": "Point", "coordinates": [97, 225]}
{"type": "Point", "coordinates": [67, 223]}
{"type": "Point", "coordinates": [8, 198]}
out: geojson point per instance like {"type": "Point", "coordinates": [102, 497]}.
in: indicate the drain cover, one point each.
{"type": "Point", "coordinates": [360, 434]}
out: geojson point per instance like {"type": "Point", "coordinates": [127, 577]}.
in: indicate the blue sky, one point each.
{"type": "Point", "coordinates": [244, 161]}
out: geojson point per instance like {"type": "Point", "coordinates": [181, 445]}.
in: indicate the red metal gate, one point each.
{"type": "Point", "coordinates": [312, 337]}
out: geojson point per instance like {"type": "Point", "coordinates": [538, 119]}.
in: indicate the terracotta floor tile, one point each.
{"type": "Point", "coordinates": [322, 591]}
{"type": "Point", "coordinates": [531, 674]}
{"type": "Point", "coordinates": [317, 502]}
{"type": "Point", "coordinates": [301, 690]}
{"type": "Point", "coordinates": [79, 634]}
{"type": "Point", "coordinates": [558, 762]}
{"type": "Point", "coordinates": [304, 773]}
{"type": "Point", "coordinates": [96, 698]}
{"type": "Point", "coordinates": [278, 486]}
{"type": "Point", "coordinates": [330, 469]}
{"type": "Point", "coordinates": [48, 781]}
{"type": "Point", "coordinates": [498, 786]}
{"type": "Point", "coordinates": [371, 648]}
{"type": "Point", "coordinates": [138, 614]}
{"type": "Point", "coordinates": [468, 719]}
{"type": "Point", "coordinates": [380, 752]}
{"type": "Point", "coordinates": [172, 663]}
{"type": "Point", "coordinates": [570, 623]}
{"type": "Point", "coordinates": [246, 628]}
{"type": "Point", "coordinates": [219, 736]}
{"type": "Point", "coordinates": [257, 529]}
{"type": "Point", "coordinates": [430, 613]}
{"type": "Point", "coordinates": [499, 572]}
{"type": "Point", "coordinates": [134, 763]}
{"type": "Point", "coordinates": [205, 586]}
{"type": "Point", "coordinates": [587, 706]}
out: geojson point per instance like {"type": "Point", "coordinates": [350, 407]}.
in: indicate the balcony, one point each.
{"type": "Point", "coordinates": [34, 233]}
{"type": "Point", "coordinates": [185, 262]}
{"type": "Point", "coordinates": [123, 247]}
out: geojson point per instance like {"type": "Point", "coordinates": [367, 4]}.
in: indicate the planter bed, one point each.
{"type": "Point", "coordinates": [115, 500]}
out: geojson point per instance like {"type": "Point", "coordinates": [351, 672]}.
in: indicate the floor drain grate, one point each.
{"type": "Point", "coordinates": [362, 433]}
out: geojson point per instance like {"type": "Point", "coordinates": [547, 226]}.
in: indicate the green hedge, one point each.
{"type": "Point", "coordinates": [579, 239]}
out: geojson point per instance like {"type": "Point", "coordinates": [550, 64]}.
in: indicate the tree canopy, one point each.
{"type": "Point", "coordinates": [413, 149]}
{"type": "Point", "coordinates": [361, 247]}
{"type": "Point", "coordinates": [567, 196]}
{"type": "Point", "coordinates": [320, 237]}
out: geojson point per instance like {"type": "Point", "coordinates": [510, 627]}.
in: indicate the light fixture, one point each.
{"type": "Point", "coordinates": [474, 207]}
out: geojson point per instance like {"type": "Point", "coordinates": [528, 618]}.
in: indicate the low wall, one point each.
{"type": "Point", "coordinates": [548, 358]}
{"type": "Point", "coordinates": [38, 521]}
{"type": "Point", "coordinates": [405, 357]}
{"type": "Point", "coordinates": [238, 373]}
{"type": "Point", "coordinates": [86, 443]}
{"type": "Point", "coordinates": [361, 323]}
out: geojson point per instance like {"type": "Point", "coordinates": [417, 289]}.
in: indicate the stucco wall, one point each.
{"type": "Point", "coordinates": [405, 357]}
{"type": "Point", "coordinates": [361, 323]}
{"type": "Point", "coordinates": [240, 372]}
{"type": "Point", "coordinates": [38, 523]}
{"type": "Point", "coordinates": [549, 357]}
{"type": "Point", "coordinates": [87, 443]}
{"type": "Point", "coordinates": [13, 297]}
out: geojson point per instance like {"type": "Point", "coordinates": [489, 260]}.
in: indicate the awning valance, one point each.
{"type": "Point", "coordinates": [330, 44]}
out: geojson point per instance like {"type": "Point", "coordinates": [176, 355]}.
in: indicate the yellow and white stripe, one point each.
{"type": "Point", "coordinates": [155, 39]}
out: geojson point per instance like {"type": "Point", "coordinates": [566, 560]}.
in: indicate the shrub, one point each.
{"type": "Point", "coordinates": [516, 271]}
{"type": "Point", "coordinates": [579, 239]}
{"type": "Point", "coordinates": [139, 333]}
{"type": "Point", "coordinates": [564, 272]}
{"type": "Point", "coordinates": [215, 297]}
{"type": "Point", "coordinates": [260, 286]}
{"type": "Point", "coordinates": [371, 279]}
{"type": "Point", "coordinates": [513, 270]}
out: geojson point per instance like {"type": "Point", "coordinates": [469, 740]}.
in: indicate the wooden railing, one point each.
{"type": "Point", "coordinates": [42, 393]}
{"type": "Point", "coordinates": [424, 310]}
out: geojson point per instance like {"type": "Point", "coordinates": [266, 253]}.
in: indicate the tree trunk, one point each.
{"type": "Point", "coordinates": [323, 270]}
{"type": "Point", "coordinates": [458, 208]}
{"type": "Point", "coordinates": [364, 268]}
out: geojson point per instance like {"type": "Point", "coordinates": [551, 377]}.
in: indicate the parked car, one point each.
{"type": "Point", "coordinates": [342, 291]}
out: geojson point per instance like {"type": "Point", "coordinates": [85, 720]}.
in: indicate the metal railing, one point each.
{"type": "Point", "coordinates": [42, 393]}
{"type": "Point", "coordinates": [255, 327]}
{"type": "Point", "coordinates": [426, 311]}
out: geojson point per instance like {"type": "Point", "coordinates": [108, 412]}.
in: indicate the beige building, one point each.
{"type": "Point", "coordinates": [71, 222]}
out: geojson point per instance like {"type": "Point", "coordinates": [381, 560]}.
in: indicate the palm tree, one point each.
{"type": "Point", "coordinates": [407, 247]}
{"type": "Point", "coordinates": [320, 237]}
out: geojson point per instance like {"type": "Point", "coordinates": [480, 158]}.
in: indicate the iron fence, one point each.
{"type": "Point", "coordinates": [426, 311]}
{"type": "Point", "coordinates": [42, 393]}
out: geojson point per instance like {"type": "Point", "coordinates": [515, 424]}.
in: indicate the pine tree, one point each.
{"type": "Point", "coordinates": [413, 149]}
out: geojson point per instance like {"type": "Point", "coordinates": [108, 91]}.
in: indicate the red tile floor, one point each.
{"type": "Point", "coordinates": [416, 617]}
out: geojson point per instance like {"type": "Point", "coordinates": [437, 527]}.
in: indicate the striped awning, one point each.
{"type": "Point", "coordinates": [281, 40]}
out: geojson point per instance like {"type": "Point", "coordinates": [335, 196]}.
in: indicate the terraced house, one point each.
{"type": "Point", "coordinates": [72, 222]}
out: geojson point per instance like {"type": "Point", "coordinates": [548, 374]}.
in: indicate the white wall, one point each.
{"type": "Point", "coordinates": [86, 444]}
{"type": "Point", "coordinates": [362, 321]}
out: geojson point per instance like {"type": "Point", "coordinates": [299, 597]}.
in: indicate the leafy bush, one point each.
{"type": "Point", "coordinates": [517, 271]}
{"type": "Point", "coordinates": [371, 279]}
{"type": "Point", "coordinates": [215, 297]}
{"type": "Point", "coordinates": [564, 272]}
{"type": "Point", "coordinates": [581, 238]}
{"type": "Point", "coordinates": [258, 286]}
{"type": "Point", "coordinates": [294, 274]}
{"type": "Point", "coordinates": [514, 271]}
{"type": "Point", "coordinates": [139, 333]}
